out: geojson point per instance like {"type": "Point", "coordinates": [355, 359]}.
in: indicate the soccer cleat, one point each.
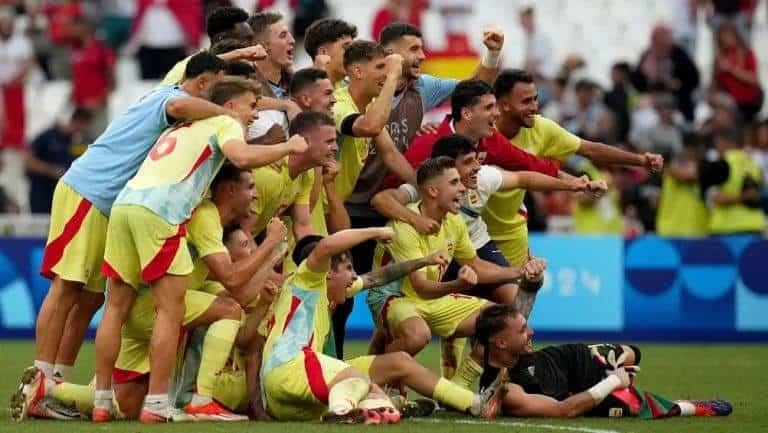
{"type": "Point", "coordinates": [30, 390]}
{"type": "Point", "coordinates": [712, 407]}
{"type": "Point", "coordinates": [387, 415]}
{"type": "Point", "coordinates": [212, 411]}
{"type": "Point", "coordinates": [150, 417]}
{"type": "Point", "coordinates": [488, 403]}
{"type": "Point", "coordinates": [354, 416]}
{"type": "Point", "coordinates": [419, 408]}
{"type": "Point", "coordinates": [50, 408]}
{"type": "Point", "coordinates": [100, 414]}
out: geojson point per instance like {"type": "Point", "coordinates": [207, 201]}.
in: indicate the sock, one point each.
{"type": "Point", "coordinates": [376, 403]}
{"type": "Point", "coordinates": [217, 346]}
{"type": "Point", "coordinates": [345, 395]}
{"type": "Point", "coordinates": [45, 367]}
{"type": "Point", "coordinates": [452, 349]}
{"type": "Point", "coordinates": [61, 372]}
{"type": "Point", "coordinates": [157, 403]}
{"type": "Point", "coordinates": [469, 371]}
{"type": "Point", "coordinates": [686, 408]}
{"type": "Point", "coordinates": [200, 400]}
{"type": "Point", "coordinates": [451, 394]}
{"type": "Point", "coordinates": [102, 399]}
{"type": "Point", "coordinates": [80, 396]}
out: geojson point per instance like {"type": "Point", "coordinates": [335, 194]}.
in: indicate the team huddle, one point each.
{"type": "Point", "coordinates": [236, 210]}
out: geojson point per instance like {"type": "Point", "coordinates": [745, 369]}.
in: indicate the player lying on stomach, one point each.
{"type": "Point", "coordinates": [573, 379]}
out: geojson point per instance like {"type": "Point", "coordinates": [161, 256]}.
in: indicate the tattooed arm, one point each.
{"type": "Point", "coordinates": [393, 271]}
{"type": "Point", "coordinates": [526, 296]}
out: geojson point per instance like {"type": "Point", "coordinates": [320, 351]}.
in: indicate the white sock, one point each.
{"type": "Point", "coordinates": [103, 399]}
{"type": "Point", "coordinates": [200, 400]}
{"type": "Point", "coordinates": [49, 385]}
{"type": "Point", "coordinates": [157, 403]}
{"type": "Point", "coordinates": [686, 408]}
{"type": "Point", "coordinates": [62, 372]}
{"type": "Point", "coordinates": [45, 367]}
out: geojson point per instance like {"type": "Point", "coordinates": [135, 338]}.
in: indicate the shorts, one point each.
{"type": "Point", "coordinates": [298, 389]}
{"type": "Point", "coordinates": [443, 315]}
{"type": "Point", "coordinates": [142, 247]}
{"type": "Point", "coordinates": [133, 359]}
{"type": "Point", "coordinates": [490, 253]}
{"type": "Point", "coordinates": [378, 297]}
{"type": "Point", "coordinates": [76, 238]}
{"type": "Point", "coordinates": [514, 250]}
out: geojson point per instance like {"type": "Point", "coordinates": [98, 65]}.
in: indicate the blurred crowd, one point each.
{"type": "Point", "coordinates": [712, 134]}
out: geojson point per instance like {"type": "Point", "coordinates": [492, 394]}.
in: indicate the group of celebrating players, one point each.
{"type": "Point", "coordinates": [235, 211]}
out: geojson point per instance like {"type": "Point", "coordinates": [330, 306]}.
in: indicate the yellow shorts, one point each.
{"type": "Point", "coordinates": [362, 364]}
{"type": "Point", "coordinates": [298, 389]}
{"type": "Point", "coordinates": [133, 359]}
{"type": "Point", "coordinates": [515, 248]}
{"type": "Point", "coordinates": [142, 247]}
{"type": "Point", "coordinates": [443, 315]}
{"type": "Point", "coordinates": [75, 247]}
{"type": "Point", "coordinates": [231, 388]}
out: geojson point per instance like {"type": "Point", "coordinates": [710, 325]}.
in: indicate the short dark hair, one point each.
{"type": "Point", "coordinates": [230, 87]}
{"type": "Point", "coordinates": [260, 21]}
{"type": "Point", "coordinates": [362, 51]}
{"type": "Point", "coordinates": [432, 168]}
{"type": "Point", "coordinates": [227, 45]}
{"type": "Point", "coordinates": [492, 321]}
{"type": "Point", "coordinates": [307, 244]}
{"type": "Point", "coordinates": [466, 94]}
{"type": "Point", "coordinates": [395, 31]}
{"type": "Point", "coordinates": [307, 120]}
{"type": "Point", "coordinates": [224, 19]}
{"type": "Point", "coordinates": [623, 67]}
{"type": "Point", "coordinates": [326, 31]}
{"type": "Point", "coordinates": [453, 146]}
{"type": "Point", "coordinates": [81, 114]}
{"type": "Point", "coordinates": [304, 78]}
{"type": "Point", "coordinates": [203, 62]}
{"type": "Point", "coordinates": [228, 173]}
{"type": "Point", "coordinates": [239, 68]}
{"type": "Point", "coordinates": [508, 78]}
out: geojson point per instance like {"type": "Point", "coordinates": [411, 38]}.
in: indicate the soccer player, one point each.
{"type": "Point", "coordinates": [82, 202]}
{"type": "Point", "coordinates": [517, 97]}
{"type": "Point", "coordinates": [425, 303]}
{"type": "Point", "coordinates": [312, 90]}
{"type": "Point", "coordinates": [325, 41]}
{"type": "Point", "coordinates": [145, 239]}
{"type": "Point", "coordinates": [573, 379]}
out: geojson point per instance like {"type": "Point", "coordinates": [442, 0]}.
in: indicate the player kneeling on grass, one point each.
{"type": "Point", "coordinates": [573, 379]}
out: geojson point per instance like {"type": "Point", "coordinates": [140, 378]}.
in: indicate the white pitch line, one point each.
{"type": "Point", "coordinates": [513, 424]}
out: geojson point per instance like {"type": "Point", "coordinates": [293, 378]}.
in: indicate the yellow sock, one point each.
{"type": "Point", "coordinates": [452, 349]}
{"type": "Point", "coordinates": [79, 396]}
{"type": "Point", "coordinates": [217, 346]}
{"type": "Point", "coordinates": [469, 371]}
{"type": "Point", "coordinates": [345, 395]}
{"type": "Point", "coordinates": [376, 403]}
{"type": "Point", "coordinates": [451, 394]}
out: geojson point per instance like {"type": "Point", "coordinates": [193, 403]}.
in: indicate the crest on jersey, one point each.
{"type": "Point", "coordinates": [450, 244]}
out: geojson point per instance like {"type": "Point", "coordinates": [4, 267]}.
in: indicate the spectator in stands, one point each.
{"type": "Point", "coordinates": [736, 12]}
{"type": "Point", "coordinates": [736, 205]}
{"type": "Point", "coordinates": [116, 23]}
{"type": "Point", "coordinates": [684, 24]}
{"type": "Point", "coordinates": [93, 78]}
{"type": "Point", "coordinates": [34, 23]}
{"type": "Point", "coordinates": [665, 65]}
{"type": "Point", "coordinates": [758, 150]}
{"type": "Point", "coordinates": [50, 155]}
{"type": "Point", "coordinates": [621, 99]}
{"type": "Point", "coordinates": [735, 71]}
{"type": "Point", "coordinates": [666, 137]}
{"type": "Point", "coordinates": [593, 215]}
{"type": "Point", "coordinates": [591, 119]}
{"type": "Point", "coordinates": [723, 117]}
{"type": "Point", "coordinates": [61, 17]}
{"type": "Point", "coordinates": [538, 48]}
{"type": "Point", "coordinates": [681, 211]}
{"type": "Point", "coordinates": [392, 11]}
{"type": "Point", "coordinates": [163, 32]}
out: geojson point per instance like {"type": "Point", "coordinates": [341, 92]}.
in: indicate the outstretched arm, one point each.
{"type": "Point", "coordinates": [610, 155]}
{"type": "Point", "coordinates": [394, 271]}
{"type": "Point", "coordinates": [488, 69]}
{"type": "Point", "coordinates": [191, 108]}
{"type": "Point", "coordinates": [245, 155]}
{"type": "Point", "coordinates": [533, 181]}
{"type": "Point", "coordinates": [319, 259]}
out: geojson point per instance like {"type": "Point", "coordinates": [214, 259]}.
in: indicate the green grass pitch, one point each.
{"type": "Point", "coordinates": [733, 372]}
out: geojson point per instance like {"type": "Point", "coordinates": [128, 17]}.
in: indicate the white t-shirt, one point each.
{"type": "Point", "coordinates": [14, 53]}
{"type": "Point", "coordinates": [473, 202]}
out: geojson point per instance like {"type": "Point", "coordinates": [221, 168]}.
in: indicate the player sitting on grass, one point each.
{"type": "Point", "coordinates": [573, 379]}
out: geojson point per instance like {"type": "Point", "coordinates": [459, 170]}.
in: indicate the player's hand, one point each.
{"type": "Point", "coordinates": [597, 188]}
{"type": "Point", "coordinates": [428, 128]}
{"type": "Point", "coordinates": [268, 291]}
{"type": "Point", "coordinates": [579, 183]}
{"type": "Point", "coordinates": [425, 225]}
{"type": "Point", "coordinates": [623, 376]}
{"type": "Point", "coordinates": [394, 66]}
{"type": "Point", "coordinates": [322, 61]}
{"type": "Point", "coordinates": [493, 38]}
{"type": "Point", "coordinates": [384, 234]}
{"type": "Point", "coordinates": [653, 162]}
{"type": "Point", "coordinates": [330, 171]}
{"type": "Point", "coordinates": [438, 258]}
{"type": "Point", "coordinates": [533, 269]}
{"type": "Point", "coordinates": [297, 144]}
{"type": "Point", "coordinates": [291, 109]}
{"type": "Point", "coordinates": [467, 276]}
{"type": "Point", "coordinates": [252, 53]}
{"type": "Point", "coordinates": [276, 229]}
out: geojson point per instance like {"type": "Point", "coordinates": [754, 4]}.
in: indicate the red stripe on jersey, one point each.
{"type": "Point", "coordinates": [207, 152]}
{"type": "Point", "coordinates": [54, 251]}
{"type": "Point", "coordinates": [120, 376]}
{"type": "Point", "coordinates": [523, 213]}
{"type": "Point", "coordinates": [158, 266]}
{"type": "Point", "coordinates": [315, 377]}
{"type": "Point", "coordinates": [295, 302]}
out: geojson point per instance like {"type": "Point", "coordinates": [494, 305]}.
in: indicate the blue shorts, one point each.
{"type": "Point", "coordinates": [490, 253]}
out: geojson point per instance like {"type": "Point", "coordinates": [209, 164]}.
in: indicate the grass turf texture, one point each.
{"type": "Point", "coordinates": [733, 372]}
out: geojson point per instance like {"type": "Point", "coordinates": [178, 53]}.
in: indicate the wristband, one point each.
{"type": "Point", "coordinates": [603, 388]}
{"type": "Point", "coordinates": [491, 59]}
